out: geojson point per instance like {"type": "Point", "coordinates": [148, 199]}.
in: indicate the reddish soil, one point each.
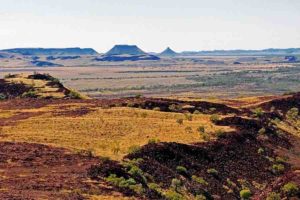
{"type": "Point", "coordinates": [34, 171]}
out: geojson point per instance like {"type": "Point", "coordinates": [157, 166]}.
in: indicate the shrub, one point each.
{"type": "Point", "coordinates": [173, 195]}
{"type": "Point", "coordinates": [181, 170]}
{"type": "Point", "coordinates": [133, 149]}
{"type": "Point", "coordinates": [136, 172]}
{"type": "Point", "coordinates": [2, 96]}
{"type": "Point", "coordinates": [262, 131]}
{"type": "Point", "coordinates": [156, 109]}
{"type": "Point", "coordinates": [280, 159]}
{"type": "Point", "coordinates": [120, 181]}
{"type": "Point", "coordinates": [245, 194]}
{"type": "Point", "coordinates": [174, 107]}
{"type": "Point", "coordinates": [29, 94]}
{"type": "Point", "coordinates": [292, 113]}
{"type": "Point", "coordinates": [212, 171]}
{"type": "Point", "coordinates": [290, 189]}
{"type": "Point", "coordinates": [205, 137]}
{"type": "Point", "coordinates": [200, 197]}
{"type": "Point", "coordinates": [214, 118]}
{"type": "Point", "coordinates": [277, 168]}
{"type": "Point", "coordinates": [273, 196]}
{"type": "Point", "coordinates": [199, 180]}
{"type": "Point", "coordinates": [220, 133]}
{"type": "Point", "coordinates": [189, 117]}
{"type": "Point", "coordinates": [176, 184]}
{"type": "Point", "coordinates": [74, 95]}
{"type": "Point", "coordinates": [188, 129]}
{"type": "Point", "coordinates": [179, 121]}
{"type": "Point", "coordinates": [260, 151]}
{"type": "Point", "coordinates": [258, 112]}
{"type": "Point", "coordinates": [154, 187]}
{"type": "Point", "coordinates": [196, 112]}
{"type": "Point", "coordinates": [144, 115]}
{"type": "Point", "coordinates": [201, 129]}
{"type": "Point", "coordinates": [153, 141]}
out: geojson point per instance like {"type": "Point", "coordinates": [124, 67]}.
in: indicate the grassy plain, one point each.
{"type": "Point", "coordinates": [107, 132]}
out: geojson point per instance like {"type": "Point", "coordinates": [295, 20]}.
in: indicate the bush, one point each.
{"type": "Point", "coordinates": [176, 184]}
{"type": "Point", "coordinates": [120, 181]}
{"type": "Point", "coordinates": [181, 170]}
{"type": "Point", "coordinates": [179, 121]}
{"type": "Point", "coordinates": [200, 197]}
{"type": "Point", "coordinates": [2, 96]}
{"type": "Point", "coordinates": [273, 196]}
{"type": "Point", "coordinates": [245, 194]}
{"type": "Point", "coordinates": [153, 141]}
{"type": "Point", "coordinates": [258, 112]}
{"type": "Point", "coordinates": [154, 187]}
{"type": "Point", "coordinates": [262, 131]}
{"type": "Point", "coordinates": [260, 151]}
{"type": "Point", "coordinates": [214, 118]}
{"type": "Point", "coordinates": [189, 117]}
{"type": "Point", "coordinates": [156, 109]}
{"type": "Point", "coordinates": [74, 95]}
{"type": "Point", "coordinates": [278, 168]}
{"type": "Point", "coordinates": [292, 113]}
{"type": "Point", "coordinates": [133, 149]}
{"type": "Point", "coordinates": [290, 189]}
{"type": "Point", "coordinates": [29, 94]}
{"type": "Point", "coordinates": [201, 129]}
{"type": "Point", "coordinates": [212, 171]}
{"type": "Point", "coordinates": [220, 133]}
{"type": "Point", "coordinates": [188, 129]}
{"type": "Point", "coordinates": [173, 195]}
{"type": "Point", "coordinates": [199, 180]}
{"type": "Point", "coordinates": [196, 112]}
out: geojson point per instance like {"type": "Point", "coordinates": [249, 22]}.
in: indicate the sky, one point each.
{"type": "Point", "coordinates": [153, 25]}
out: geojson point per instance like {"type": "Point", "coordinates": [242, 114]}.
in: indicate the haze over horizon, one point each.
{"type": "Point", "coordinates": [152, 25]}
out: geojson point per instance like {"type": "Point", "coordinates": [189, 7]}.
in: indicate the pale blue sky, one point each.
{"type": "Point", "coordinates": [151, 24]}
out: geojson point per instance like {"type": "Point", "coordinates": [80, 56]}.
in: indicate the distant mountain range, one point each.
{"type": "Point", "coordinates": [128, 53]}
{"type": "Point", "coordinates": [52, 51]}
{"type": "Point", "coordinates": [288, 51]}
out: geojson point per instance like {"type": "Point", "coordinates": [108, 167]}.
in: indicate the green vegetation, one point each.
{"type": "Point", "coordinates": [293, 114]}
{"type": "Point", "coordinates": [214, 118]}
{"type": "Point", "coordinates": [199, 180]}
{"type": "Point", "coordinates": [258, 112]}
{"type": "Point", "coordinates": [278, 168]}
{"type": "Point", "coordinates": [176, 184]}
{"type": "Point", "coordinates": [260, 151]}
{"type": "Point", "coordinates": [179, 121]}
{"type": "Point", "coordinates": [133, 149]}
{"type": "Point", "coordinates": [201, 129]}
{"type": "Point", "coordinates": [173, 195]}
{"type": "Point", "coordinates": [262, 131]}
{"type": "Point", "coordinates": [245, 194]}
{"type": "Point", "coordinates": [220, 133]}
{"type": "Point", "coordinates": [29, 94]}
{"type": "Point", "coordinates": [273, 196]}
{"type": "Point", "coordinates": [212, 171]}
{"type": "Point", "coordinates": [291, 189]}
{"type": "Point", "coordinates": [181, 170]}
{"type": "Point", "coordinates": [74, 95]}
{"type": "Point", "coordinates": [2, 96]}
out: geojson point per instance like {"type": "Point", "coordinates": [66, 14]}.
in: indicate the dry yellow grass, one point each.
{"type": "Point", "coordinates": [106, 132]}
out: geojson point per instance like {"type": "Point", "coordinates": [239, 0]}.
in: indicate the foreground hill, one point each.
{"type": "Point", "coordinates": [150, 148]}
{"type": "Point", "coordinates": [34, 86]}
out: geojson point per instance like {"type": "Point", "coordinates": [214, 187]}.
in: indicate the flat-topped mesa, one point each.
{"type": "Point", "coordinates": [52, 51]}
{"type": "Point", "coordinates": [125, 50]}
{"type": "Point", "coordinates": [168, 52]}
